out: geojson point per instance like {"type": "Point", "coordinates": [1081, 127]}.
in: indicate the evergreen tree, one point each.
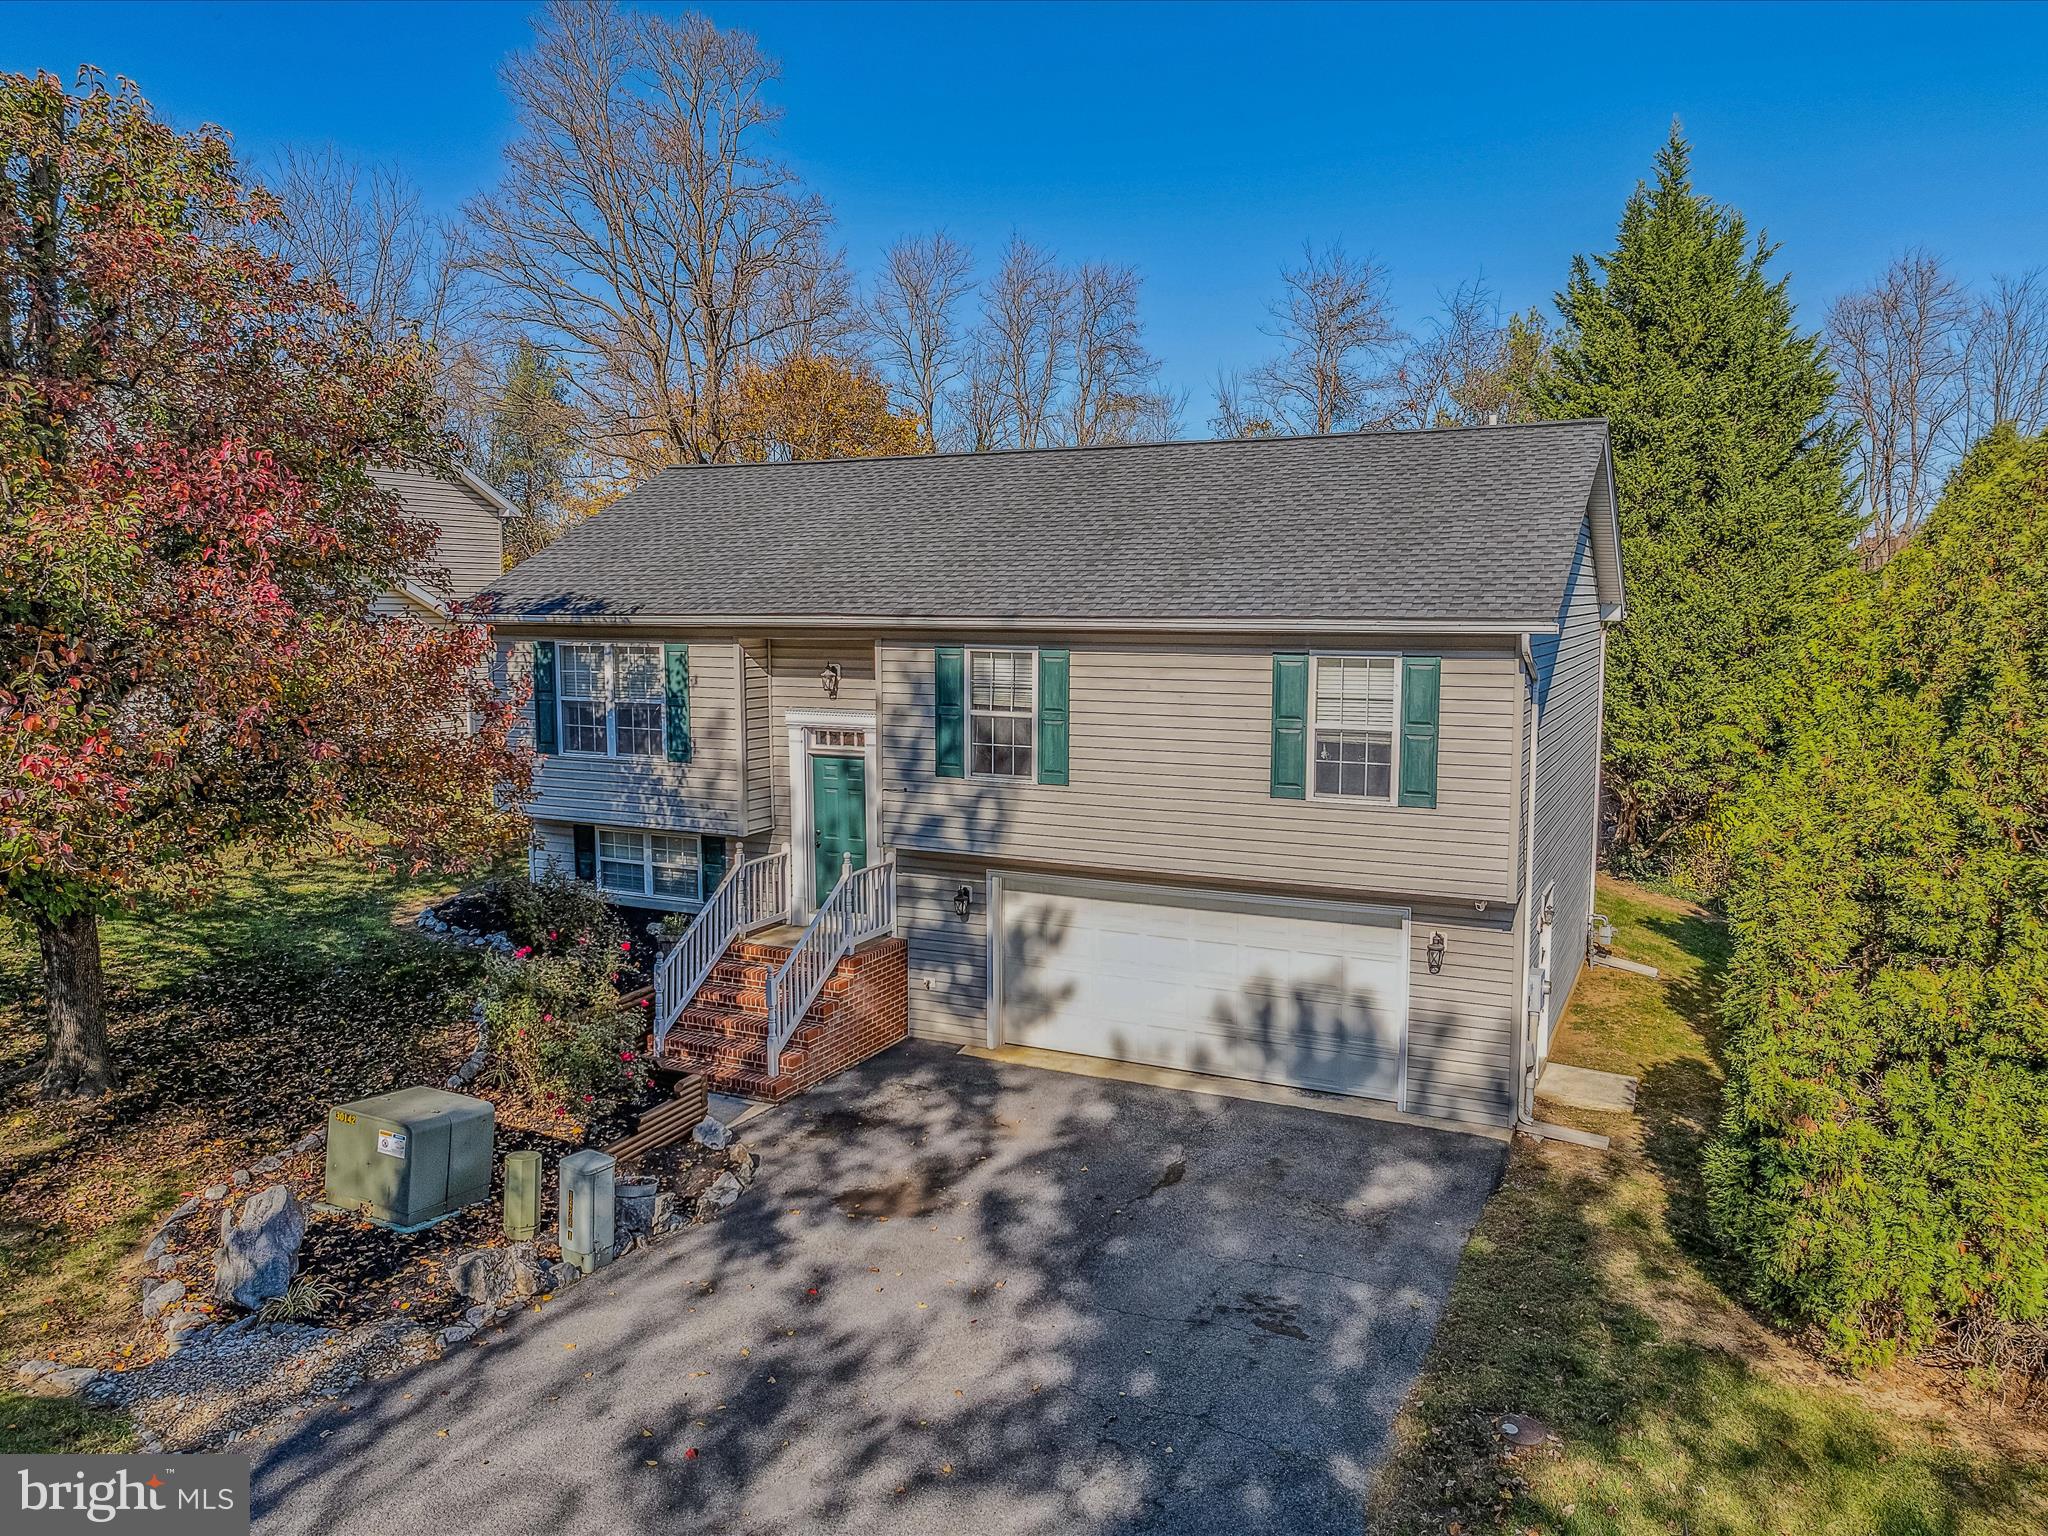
{"type": "Point", "coordinates": [1882, 1170]}
{"type": "Point", "coordinates": [1734, 499]}
{"type": "Point", "coordinates": [533, 440]}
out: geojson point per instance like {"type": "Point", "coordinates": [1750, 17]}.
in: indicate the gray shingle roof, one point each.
{"type": "Point", "coordinates": [1475, 526]}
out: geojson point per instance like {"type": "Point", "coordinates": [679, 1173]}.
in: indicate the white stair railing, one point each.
{"type": "Point", "coordinates": [862, 906]}
{"type": "Point", "coordinates": [752, 895]}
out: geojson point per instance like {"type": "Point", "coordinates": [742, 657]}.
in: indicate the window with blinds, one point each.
{"type": "Point", "coordinates": [1355, 710]}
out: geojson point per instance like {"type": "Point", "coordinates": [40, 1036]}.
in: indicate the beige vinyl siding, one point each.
{"type": "Point", "coordinates": [1461, 1023]}
{"type": "Point", "coordinates": [754, 662]}
{"type": "Point", "coordinates": [796, 664]}
{"type": "Point", "coordinates": [704, 794]}
{"type": "Point", "coordinates": [948, 957]}
{"type": "Point", "coordinates": [1169, 775]}
{"type": "Point", "coordinates": [1568, 773]}
{"type": "Point", "coordinates": [471, 545]}
{"type": "Point", "coordinates": [393, 605]}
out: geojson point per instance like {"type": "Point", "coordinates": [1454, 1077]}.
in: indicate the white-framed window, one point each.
{"type": "Point", "coordinates": [613, 698]}
{"type": "Point", "coordinates": [1002, 713]}
{"type": "Point", "coordinates": [1354, 704]}
{"type": "Point", "coordinates": [666, 864]}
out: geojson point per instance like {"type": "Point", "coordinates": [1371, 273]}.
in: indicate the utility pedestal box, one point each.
{"type": "Point", "coordinates": [406, 1159]}
{"type": "Point", "coordinates": [584, 1201]}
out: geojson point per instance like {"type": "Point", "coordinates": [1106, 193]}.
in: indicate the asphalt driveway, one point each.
{"type": "Point", "coordinates": [961, 1296]}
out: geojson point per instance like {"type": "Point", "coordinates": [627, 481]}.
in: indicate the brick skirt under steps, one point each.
{"type": "Point", "coordinates": [723, 1034]}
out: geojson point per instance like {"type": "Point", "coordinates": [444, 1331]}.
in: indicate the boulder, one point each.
{"type": "Point", "coordinates": [491, 1277]}
{"type": "Point", "coordinates": [69, 1378]}
{"type": "Point", "coordinates": [180, 1327]}
{"type": "Point", "coordinates": [34, 1370]}
{"type": "Point", "coordinates": [215, 1192]}
{"type": "Point", "coordinates": [162, 1298]}
{"type": "Point", "coordinates": [742, 1162]}
{"type": "Point", "coordinates": [712, 1133]}
{"type": "Point", "coordinates": [259, 1251]}
{"type": "Point", "coordinates": [633, 1208]}
{"type": "Point", "coordinates": [722, 1192]}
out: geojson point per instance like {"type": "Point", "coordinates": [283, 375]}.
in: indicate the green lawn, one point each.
{"type": "Point", "coordinates": [235, 1026]}
{"type": "Point", "coordinates": [1590, 1297]}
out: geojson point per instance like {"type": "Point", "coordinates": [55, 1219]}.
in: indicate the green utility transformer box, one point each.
{"type": "Point", "coordinates": [406, 1159]}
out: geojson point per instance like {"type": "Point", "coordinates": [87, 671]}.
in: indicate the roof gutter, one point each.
{"type": "Point", "coordinates": [522, 619]}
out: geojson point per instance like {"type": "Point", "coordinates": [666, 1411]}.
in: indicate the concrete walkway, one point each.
{"type": "Point", "coordinates": [962, 1296]}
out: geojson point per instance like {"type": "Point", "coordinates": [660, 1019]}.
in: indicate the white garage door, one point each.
{"type": "Point", "coordinates": [1307, 994]}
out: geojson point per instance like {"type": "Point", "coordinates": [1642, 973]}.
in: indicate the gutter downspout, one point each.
{"type": "Point", "coordinates": [1525, 1068]}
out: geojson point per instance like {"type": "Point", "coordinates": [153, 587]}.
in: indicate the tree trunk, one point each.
{"type": "Point", "coordinates": [80, 1064]}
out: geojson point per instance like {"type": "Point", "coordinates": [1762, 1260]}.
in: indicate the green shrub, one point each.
{"type": "Point", "coordinates": [552, 915]}
{"type": "Point", "coordinates": [1882, 1170]}
{"type": "Point", "coordinates": [558, 1037]}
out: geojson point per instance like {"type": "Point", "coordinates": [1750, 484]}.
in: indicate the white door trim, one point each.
{"type": "Point", "coordinates": [803, 726]}
{"type": "Point", "coordinates": [1376, 909]}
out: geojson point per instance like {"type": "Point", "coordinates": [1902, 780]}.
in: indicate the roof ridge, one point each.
{"type": "Point", "coordinates": [1049, 449]}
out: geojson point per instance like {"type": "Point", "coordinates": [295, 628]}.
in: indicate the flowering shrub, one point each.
{"type": "Point", "coordinates": [551, 915]}
{"type": "Point", "coordinates": [558, 1038]}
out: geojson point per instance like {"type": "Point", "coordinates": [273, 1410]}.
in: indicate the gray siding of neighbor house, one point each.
{"type": "Point", "coordinates": [1170, 754]}
{"type": "Point", "coordinates": [702, 795]}
{"type": "Point", "coordinates": [1568, 668]}
{"type": "Point", "coordinates": [471, 546]}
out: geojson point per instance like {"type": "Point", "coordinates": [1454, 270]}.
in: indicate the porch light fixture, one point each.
{"type": "Point", "coordinates": [963, 901]}
{"type": "Point", "coordinates": [830, 678]}
{"type": "Point", "coordinates": [1435, 952]}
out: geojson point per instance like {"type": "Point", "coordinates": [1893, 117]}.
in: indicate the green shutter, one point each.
{"type": "Point", "coordinates": [544, 696]}
{"type": "Point", "coordinates": [1290, 726]}
{"type": "Point", "coordinates": [1421, 688]}
{"type": "Point", "coordinates": [676, 661]}
{"type": "Point", "coordinates": [1054, 668]}
{"type": "Point", "coordinates": [949, 711]}
{"type": "Point", "coordinates": [586, 853]}
{"type": "Point", "coordinates": [711, 865]}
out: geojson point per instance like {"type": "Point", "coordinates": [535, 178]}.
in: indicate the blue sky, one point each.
{"type": "Point", "coordinates": [1204, 143]}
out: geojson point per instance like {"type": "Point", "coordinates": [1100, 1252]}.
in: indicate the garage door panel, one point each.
{"type": "Point", "coordinates": [1309, 994]}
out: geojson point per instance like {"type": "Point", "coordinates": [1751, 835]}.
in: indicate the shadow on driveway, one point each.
{"type": "Point", "coordinates": [962, 1296]}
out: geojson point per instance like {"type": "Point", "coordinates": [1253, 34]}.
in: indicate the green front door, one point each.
{"type": "Point", "coordinates": [839, 816]}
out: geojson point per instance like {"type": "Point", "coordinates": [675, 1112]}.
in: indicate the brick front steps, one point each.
{"type": "Point", "coordinates": [723, 1033]}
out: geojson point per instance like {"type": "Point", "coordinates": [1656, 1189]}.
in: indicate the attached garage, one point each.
{"type": "Point", "coordinates": [1306, 994]}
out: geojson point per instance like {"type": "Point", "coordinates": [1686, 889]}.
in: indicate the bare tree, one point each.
{"type": "Point", "coordinates": [643, 232]}
{"type": "Point", "coordinates": [2004, 372]}
{"type": "Point", "coordinates": [914, 320]}
{"type": "Point", "coordinates": [1237, 414]}
{"type": "Point", "coordinates": [1338, 367]}
{"type": "Point", "coordinates": [1897, 350]}
{"type": "Point", "coordinates": [1112, 395]}
{"type": "Point", "coordinates": [362, 227]}
{"type": "Point", "coordinates": [1471, 367]}
{"type": "Point", "coordinates": [1025, 339]}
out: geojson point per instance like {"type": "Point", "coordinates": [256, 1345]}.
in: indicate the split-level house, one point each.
{"type": "Point", "coordinates": [1274, 759]}
{"type": "Point", "coordinates": [469, 546]}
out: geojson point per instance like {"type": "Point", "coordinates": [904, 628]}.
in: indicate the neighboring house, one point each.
{"type": "Point", "coordinates": [1277, 759]}
{"type": "Point", "coordinates": [469, 553]}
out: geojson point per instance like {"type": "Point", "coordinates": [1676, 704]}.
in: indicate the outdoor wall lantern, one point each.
{"type": "Point", "coordinates": [1435, 952]}
{"type": "Point", "coordinates": [830, 678]}
{"type": "Point", "coordinates": [963, 901]}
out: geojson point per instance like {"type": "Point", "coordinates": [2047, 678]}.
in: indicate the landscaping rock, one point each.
{"type": "Point", "coordinates": [259, 1252]}
{"type": "Point", "coordinates": [269, 1164]}
{"type": "Point", "coordinates": [491, 1277]}
{"type": "Point", "coordinates": [476, 1317]}
{"type": "Point", "coordinates": [158, 1246]}
{"type": "Point", "coordinates": [457, 1333]}
{"type": "Point", "coordinates": [166, 1262]}
{"type": "Point", "coordinates": [161, 1298]}
{"type": "Point", "coordinates": [563, 1275]}
{"type": "Point", "coordinates": [181, 1327]}
{"type": "Point", "coordinates": [180, 1213]}
{"type": "Point", "coordinates": [723, 1191]}
{"type": "Point", "coordinates": [712, 1133]}
{"type": "Point", "coordinates": [215, 1192]}
{"type": "Point", "coordinates": [664, 1216]}
{"type": "Point", "coordinates": [633, 1208]}
{"type": "Point", "coordinates": [239, 1178]}
{"type": "Point", "coordinates": [34, 1370]}
{"type": "Point", "coordinates": [69, 1378]}
{"type": "Point", "coordinates": [743, 1163]}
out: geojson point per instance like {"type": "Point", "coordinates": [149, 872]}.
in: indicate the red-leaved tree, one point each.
{"type": "Point", "coordinates": [189, 543]}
